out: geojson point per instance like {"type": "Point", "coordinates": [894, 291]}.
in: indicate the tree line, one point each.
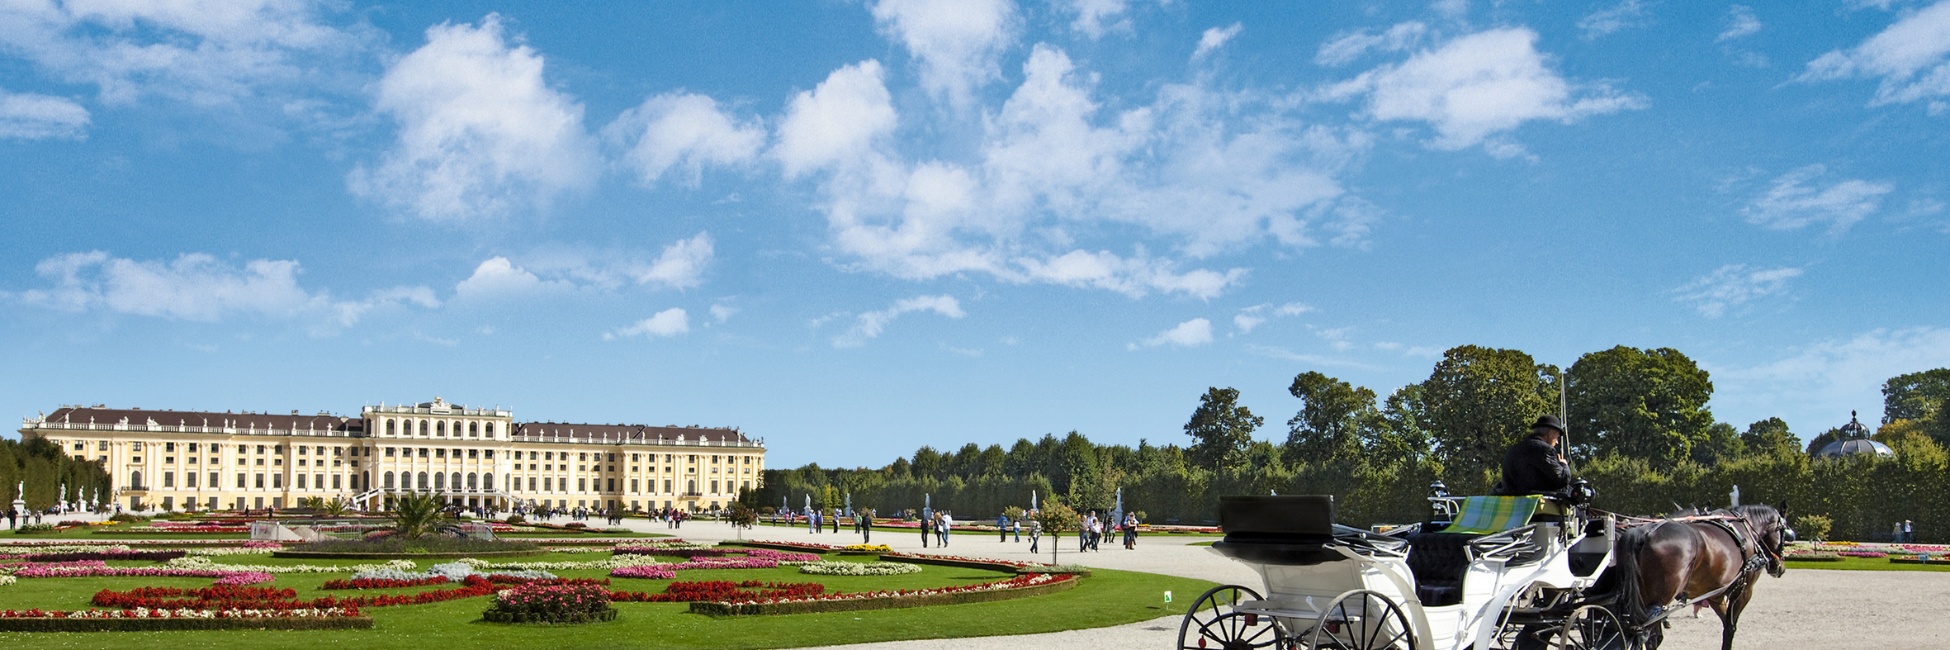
{"type": "Point", "coordinates": [41, 469]}
{"type": "Point", "coordinates": [1640, 430]}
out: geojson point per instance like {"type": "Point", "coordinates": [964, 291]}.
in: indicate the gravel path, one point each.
{"type": "Point", "coordinates": [1809, 608]}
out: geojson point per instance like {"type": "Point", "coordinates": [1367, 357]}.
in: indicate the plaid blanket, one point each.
{"type": "Point", "coordinates": [1491, 515]}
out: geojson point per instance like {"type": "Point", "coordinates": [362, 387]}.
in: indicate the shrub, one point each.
{"type": "Point", "coordinates": [516, 520]}
{"type": "Point", "coordinates": [574, 602]}
{"type": "Point", "coordinates": [127, 518]}
{"type": "Point", "coordinates": [34, 529]}
{"type": "Point", "coordinates": [575, 524]}
{"type": "Point", "coordinates": [1815, 527]}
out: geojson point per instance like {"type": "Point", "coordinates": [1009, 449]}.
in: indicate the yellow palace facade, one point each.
{"type": "Point", "coordinates": [195, 460]}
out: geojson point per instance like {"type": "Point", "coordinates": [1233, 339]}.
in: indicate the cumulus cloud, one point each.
{"type": "Point", "coordinates": [499, 278]}
{"type": "Point", "coordinates": [31, 116]}
{"type": "Point", "coordinates": [206, 52]}
{"type": "Point", "coordinates": [1741, 23]}
{"type": "Point", "coordinates": [664, 324]}
{"type": "Point", "coordinates": [838, 123]}
{"type": "Point", "coordinates": [1798, 199]}
{"type": "Point", "coordinates": [686, 132]}
{"type": "Point", "coordinates": [480, 131]}
{"type": "Point", "coordinates": [1814, 386]}
{"type": "Point", "coordinates": [1189, 334]}
{"type": "Point", "coordinates": [1477, 87]}
{"type": "Point", "coordinates": [868, 326]}
{"type": "Point", "coordinates": [200, 287]}
{"type": "Point", "coordinates": [1622, 16]}
{"type": "Point", "coordinates": [1094, 18]}
{"type": "Point", "coordinates": [1215, 38]}
{"type": "Point", "coordinates": [955, 42]}
{"type": "Point", "coordinates": [681, 265]}
{"type": "Point", "coordinates": [1910, 59]}
{"type": "Point", "coordinates": [1733, 286]}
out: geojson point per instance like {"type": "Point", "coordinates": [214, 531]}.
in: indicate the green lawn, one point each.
{"type": "Point", "coordinates": [1866, 564]}
{"type": "Point", "coordinates": [1106, 598]}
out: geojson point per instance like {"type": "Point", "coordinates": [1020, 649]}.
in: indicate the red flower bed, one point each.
{"type": "Point", "coordinates": [210, 598]}
{"type": "Point", "coordinates": [677, 552]}
{"type": "Point", "coordinates": [723, 591]}
{"type": "Point", "coordinates": [146, 556]}
{"type": "Point", "coordinates": [384, 583]}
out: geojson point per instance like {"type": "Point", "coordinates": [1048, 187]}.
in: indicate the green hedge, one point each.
{"type": "Point", "coordinates": [888, 602]}
{"type": "Point", "coordinates": [578, 618]}
{"type": "Point", "coordinates": [180, 624]}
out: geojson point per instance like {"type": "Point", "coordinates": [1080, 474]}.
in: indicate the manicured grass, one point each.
{"type": "Point", "coordinates": [1106, 598]}
{"type": "Point", "coordinates": [1866, 564]}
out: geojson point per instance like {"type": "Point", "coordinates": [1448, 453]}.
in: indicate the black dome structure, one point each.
{"type": "Point", "coordinates": [1854, 441]}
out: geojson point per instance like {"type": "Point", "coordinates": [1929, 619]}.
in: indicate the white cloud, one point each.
{"type": "Point", "coordinates": [684, 131]}
{"type": "Point", "coordinates": [664, 324]}
{"type": "Point", "coordinates": [1624, 15]}
{"type": "Point", "coordinates": [722, 310]}
{"type": "Point", "coordinates": [1189, 334]}
{"type": "Point", "coordinates": [838, 123]}
{"type": "Point", "coordinates": [1911, 58]}
{"type": "Point", "coordinates": [1797, 200]}
{"type": "Point", "coordinates": [1347, 47]}
{"type": "Point", "coordinates": [682, 264]}
{"type": "Point", "coordinates": [1814, 387]}
{"type": "Point", "coordinates": [499, 278]}
{"type": "Point", "coordinates": [868, 326]}
{"type": "Point", "coordinates": [199, 287]}
{"type": "Point", "coordinates": [956, 42]}
{"type": "Point", "coordinates": [1732, 286]}
{"type": "Point", "coordinates": [1215, 38]}
{"type": "Point", "coordinates": [206, 52]}
{"type": "Point", "coordinates": [31, 116]}
{"type": "Point", "coordinates": [1098, 17]}
{"type": "Point", "coordinates": [1741, 23]}
{"type": "Point", "coordinates": [1476, 87]}
{"type": "Point", "coordinates": [1132, 276]}
{"type": "Point", "coordinates": [1251, 318]}
{"type": "Point", "coordinates": [1451, 9]}
{"type": "Point", "coordinates": [481, 133]}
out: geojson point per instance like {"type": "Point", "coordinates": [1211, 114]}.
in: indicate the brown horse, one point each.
{"type": "Point", "coordinates": [1686, 559]}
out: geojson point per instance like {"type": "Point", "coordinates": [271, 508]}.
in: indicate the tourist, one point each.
{"type": "Point", "coordinates": [1002, 527]}
{"type": "Point", "coordinates": [1130, 531]}
{"type": "Point", "coordinates": [1035, 531]}
{"type": "Point", "coordinates": [836, 523]}
{"type": "Point", "coordinates": [863, 520]}
{"type": "Point", "coordinates": [947, 524]}
{"type": "Point", "coordinates": [1909, 531]}
{"type": "Point", "coordinates": [1017, 526]}
{"type": "Point", "coordinates": [927, 528]}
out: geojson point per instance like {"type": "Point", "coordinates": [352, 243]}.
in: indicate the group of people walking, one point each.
{"type": "Point", "coordinates": [937, 523]}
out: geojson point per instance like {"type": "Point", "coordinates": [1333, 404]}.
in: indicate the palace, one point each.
{"type": "Point", "coordinates": [195, 460]}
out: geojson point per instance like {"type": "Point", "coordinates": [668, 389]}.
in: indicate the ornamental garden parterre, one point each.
{"type": "Point", "coordinates": [192, 585]}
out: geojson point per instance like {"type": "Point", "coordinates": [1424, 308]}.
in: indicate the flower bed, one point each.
{"type": "Point", "coordinates": [143, 556]}
{"type": "Point", "coordinates": [148, 620]}
{"type": "Point", "coordinates": [204, 563]}
{"type": "Point", "coordinates": [677, 552]}
{"type": "Point", "coordinates": [962, 562]}
{"type": "Point", "coordinates": [612, 562]}
{"type": "Point", "coordinates": [723, 591]}
{"type": "Point", "coordinates": [96, 569]}
{"type": "Point", "coordinates": [865, 549]}
{"type": "Point", "coordinates": [1920, 558]}
{"type": "Point", "coordinates": [383, 583]}
{"type": "Point", "coordinates": [807, 547]}
{"type": "Point", "coordinates": [859, 568]}
{"type": "Point", "coordinates": [558, 603]}
{"type": "Point", "coordinates": [1017, 587]}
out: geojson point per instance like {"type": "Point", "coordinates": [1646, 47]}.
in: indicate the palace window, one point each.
{"type": "Point", "coordinates": [440, 452]}
{"type": "Point", "coordinates": [389, 480]}
{"type": "Point", "coordinates": [389, 452]}
{"type": "Point", "coordinates": [260, 480]}
{"type": "Point", "coordinates": [517, 455]}
{"type": "Point", "coordinates": [189, 479]}
{"type": "Point", "coordinates": [531, 484]}
{"type": "Point", "coordinates": [633, 457]}
{"type": "Point", "coordinates": [390, 429]}
{"type": "Point", "coordinates": [548, 484]}
{"type": "Point", "coordinates": [214, 482]}
{"type": "Point", "coordinates": [240, 479]}
{"type": "Point", "coordinates": [335, 481]}
{"type": "Point", "coordinates": [582, 485]}
{"type": "Point", "coordinates": [169, 447]}
{"type": "Point", "coordinates": [487, 453]}
{"type": "Point", "coordinates": [440, 429]}
{"type": "Point", "coordinates": [633, 487]}
{"type": "Point", "coordinates": [138, 446]}
{"type": "Point", "coordinates": [169, 479]}
{"type": "Point", "coordinates": [423, 452]}
{"type": "Point", "coordinates": [277, 480]}
{"type": "Point", "coordinates": [490, 429]}
{"type": "Point", "coordinates": [473, 430]}
{"type": "Point", "coordinates": [301, 481]}
{"type": "Point", "coordinates": [101, 446]}
{"type": "Point", "coordinates": [612, 485]}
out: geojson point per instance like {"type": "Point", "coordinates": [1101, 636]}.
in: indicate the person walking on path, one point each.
{"type": "Point", "coordinates": [836, 522]}
{"type": "Point", "coordinates": [1002, 527]}
{"type": "Point", "coordinates": [863, 520]}
{"type": "Point", "coordinates": [1909, 531]}
{"type": "Point", "coordinates": [1130, 531]}
{"type": "Point", "coordinates": [927, 528]}
{"type": "Point", "coordinates": [941, 530]}
{"type": "Point", "coordinates": [1035, 533]}
{"type": "Point", "coordinates": [1017, 526]}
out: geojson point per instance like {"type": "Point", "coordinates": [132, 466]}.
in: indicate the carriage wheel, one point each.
{"type": "Point", "coordinates": [1591, 627]}
{"type": "Point", "coordinates": [1362, 620]}
{"type": "Point", "coordinates": [1214, 623]}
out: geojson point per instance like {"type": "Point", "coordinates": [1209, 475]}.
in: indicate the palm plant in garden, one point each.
{"type": "Point", "coordinates": [416, 515]}
{"type": "Point", "coordinates": [337, 507]}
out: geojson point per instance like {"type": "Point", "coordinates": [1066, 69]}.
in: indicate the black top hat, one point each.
{"type": "Point", "coordinates": [1549, 421]}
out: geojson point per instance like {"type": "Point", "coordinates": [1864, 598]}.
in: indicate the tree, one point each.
{"type": "Point", "coordinates": [1332, 420]}
{"type": "Point", "coordinates": [1477, 402]}
{"type": "Point", "coordinates": [416, 515]}
{"type": "Point", "coordinates": [1221, 429]}
{"type": "Point", "coordinates": [1915, 396]}
{"type": "Point", "coordinates": [1403, 440]}
{"type": "Point", "coordinates": [1770, 437]}
{"type": "Point", "coordinates": [1648, 404]}
{"type": "Point", "coordinates": [1056, 519]}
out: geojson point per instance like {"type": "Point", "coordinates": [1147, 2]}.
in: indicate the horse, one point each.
{"type": "Point", "coordinates": [1685, 559]}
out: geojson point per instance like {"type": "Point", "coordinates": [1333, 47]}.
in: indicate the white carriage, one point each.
{"type": "Point", "coordinates": [1484, 572]}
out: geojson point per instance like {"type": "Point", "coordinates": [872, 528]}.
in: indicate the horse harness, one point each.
{"type": "Point", "coordinates": [1754, 554]}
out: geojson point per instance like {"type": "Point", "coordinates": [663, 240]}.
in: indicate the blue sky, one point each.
{"type": "Point", "coordinates": [854, 228]}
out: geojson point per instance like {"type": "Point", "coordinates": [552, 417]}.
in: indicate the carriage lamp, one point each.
{"type": "Point", "coordinates": [1438, 490]}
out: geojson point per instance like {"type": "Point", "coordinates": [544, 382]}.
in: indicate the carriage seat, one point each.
{"type": "Point", "coordinates": [1277, 530]}
{"type": "Point", "coordinates": [1439, 558]}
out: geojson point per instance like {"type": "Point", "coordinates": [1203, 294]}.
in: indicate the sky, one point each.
{"type": "Point", "coordinates": [856, 228]}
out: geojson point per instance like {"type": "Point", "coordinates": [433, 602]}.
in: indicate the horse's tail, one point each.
{"type": "Point", "coordinates": [1625, 558]}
